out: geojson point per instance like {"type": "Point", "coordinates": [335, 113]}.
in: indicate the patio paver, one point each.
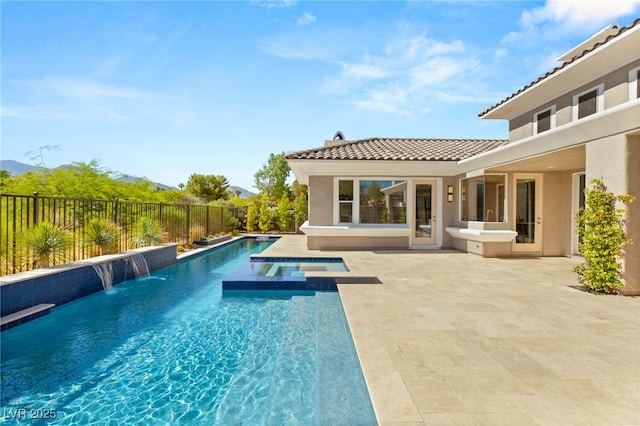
{"type": "Point", "coordinates": [453, 338]}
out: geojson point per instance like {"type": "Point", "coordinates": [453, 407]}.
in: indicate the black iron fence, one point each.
{"type": "Point", "coordinates": [180, 223]}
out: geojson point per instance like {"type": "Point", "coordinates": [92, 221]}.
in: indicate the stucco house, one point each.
{"type": "Point", "coordinates": [511, 197]}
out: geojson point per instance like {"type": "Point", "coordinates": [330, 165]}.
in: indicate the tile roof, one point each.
{"type": "Point", "coordinates": [564, 65]}
{"type": "Point", "coordinates": [400, 149]}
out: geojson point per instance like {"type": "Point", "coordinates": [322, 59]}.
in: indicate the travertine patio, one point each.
{"type": "Point", "coordinates": [453, 338]}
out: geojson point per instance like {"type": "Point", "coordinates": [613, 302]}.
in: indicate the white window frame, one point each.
{"type": "Point", "coordinates": [633, 83]}
{"type": "Point", "coordinates": [355, 206]}
{"type": "Point", "coordinates": [552, 119]}
{"type": "Point", "coordinates": [336, 200]}
{"type": "Point", "coordinates": [599, 101]}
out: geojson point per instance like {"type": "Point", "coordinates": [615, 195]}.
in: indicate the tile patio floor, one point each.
{"type": "Point", "coordinates": [455, 339]}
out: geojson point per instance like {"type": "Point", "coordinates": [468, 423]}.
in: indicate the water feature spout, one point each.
{"type": "Point", "coordinates": [139, 265]}
{"type": "Point", "coordinates": [105, 272]}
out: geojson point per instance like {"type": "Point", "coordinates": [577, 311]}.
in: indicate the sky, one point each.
{"type": "Point", "coordinates": [166, 89]}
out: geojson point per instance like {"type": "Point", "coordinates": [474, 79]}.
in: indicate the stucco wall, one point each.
{"type": "Point", "coordinates": [320, 200]}
{"type": "Point", "coordinates": [616, 92]}
{"type": "Point", "coordinates": [369, 243]}
{"type": "Point", "coordinates": [616, 160]}
{"type": "Point", "coordinates": [554, 213]}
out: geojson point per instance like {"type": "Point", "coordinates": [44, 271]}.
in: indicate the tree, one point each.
{"type": "Point", "coordinates": [271, 179]}
{"type": "Point", "coordinates": [601, 232]}
{"type": "Point", "coordinates": [208, 187]}
{"type": "Point", "coordinates": [284, 213]}
{"type": "Point", "coordinates": [84, 180]}
{"type": "Point", "coordinates": [264, 220]}
{"type": "Point", "coordinates": [253, 213]}
{"type": "Point", "coordinates": [301, 209]}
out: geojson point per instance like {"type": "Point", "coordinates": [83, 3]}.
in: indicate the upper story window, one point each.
{"type": "Point", "coordinates": [588, 102]}
{"type": "Point", "coordinates": [544, 120]}
{"type": "Point", "coordinates": [634, 84]}
{"type": "Point", "coordinates": [372, 201]}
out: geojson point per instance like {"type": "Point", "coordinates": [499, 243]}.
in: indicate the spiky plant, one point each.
{"type": "Point", "coordinates": [146, 232]}
{"type": "Point", "coordinates": [101, 235]}
{"type": "Point", "coordinates": [46, 244]}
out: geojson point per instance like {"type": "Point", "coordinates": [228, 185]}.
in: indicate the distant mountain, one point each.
{"type": "Point", "coordinates": [17, 168]}
{"type": "Point", "coordinates": [243, 192]}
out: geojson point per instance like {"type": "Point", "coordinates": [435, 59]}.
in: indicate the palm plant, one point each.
{"type": "Point", "coordinates": [46, 244]}
{"type": "Point", "coordinates": [146, 232]}
{"type": "Point", "coordinates": [102, 235]}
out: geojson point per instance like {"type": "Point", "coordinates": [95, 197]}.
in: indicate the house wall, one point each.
{"type": "Point", "coordinates": [556, 207]}
{"type": "Point", "coordinates": [616, 161]}
{"type": "Point", "coordinates": [616, 92]}
{"type": "Point", "coordinates": [348, 243]}
{"type": "Point", "coordinates": [320, 200]}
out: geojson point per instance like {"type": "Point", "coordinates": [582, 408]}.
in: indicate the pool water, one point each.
{"type": "Point", "coordinates": [172, 349]}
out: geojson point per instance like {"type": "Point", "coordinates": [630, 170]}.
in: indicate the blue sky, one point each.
{"type": "Point", "coordinates": [167, 89]}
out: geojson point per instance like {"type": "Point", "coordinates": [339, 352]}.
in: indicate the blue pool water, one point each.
{"type": "Point", "coordinates": [172, 349]}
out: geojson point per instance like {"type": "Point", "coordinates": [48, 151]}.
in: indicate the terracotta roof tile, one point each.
{"type": "Point", "coordinates": [564, 65]}
{"type": "Point", "coordinates": [400, 149]}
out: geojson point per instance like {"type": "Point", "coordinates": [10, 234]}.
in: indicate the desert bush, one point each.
{"type": "Point", "coordinates": [601, 232]}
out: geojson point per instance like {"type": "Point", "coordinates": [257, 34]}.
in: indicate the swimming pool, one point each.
{"type": "Point", "coordinates": [172, 349]}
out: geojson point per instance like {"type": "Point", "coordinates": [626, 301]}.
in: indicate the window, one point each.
{"type": "Point", "coordinates": [378, 201]}
{"type": "Point", "coordinates": [544, 120]}
{"type": "Point", "coordinates": [634, 86]}
{"type": "Point", "coordinates": [483, 198]}
{"type": "Point", "coordinates": [345, 201]}
{"type": "Point", "coordinates": [588, 102]}
{"type": "Point", "coordinates": [383, 201]}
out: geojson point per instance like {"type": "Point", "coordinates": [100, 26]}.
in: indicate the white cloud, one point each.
{"type": "Point", "coordinates": [274, 4]}
{"type": "Point", "coordinates": [578, 13]}
{"type": "Point", "coordinates": [82, 90]}
{"type": "Point", "coordinates": [78, 99]}
{"type": "Point", "coordinates": [306, 19]}
{"type": "Point", "coordinates": [404, 76]}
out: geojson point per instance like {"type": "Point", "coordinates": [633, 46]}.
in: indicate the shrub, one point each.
{"type": "Point", "coordinates": [47, 244]}
{"type": "Point", "coordinates": [102, 235]}
{"type": "Point", "coordinates": [253, 212]}
{"type": "Point", "coordinates": [284, 213]}
{"type": "Point", "coordinates": [601, 232]}
{"type": "Point", "coordinates": [264, 219]}
{"type": "Point", "coordinates": [146, 232]}
{"type": "Point", "coordinates": [301, 209]}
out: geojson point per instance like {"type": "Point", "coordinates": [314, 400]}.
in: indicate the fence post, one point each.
{"type": "Point", "coordinates": [207, 224]}
{"type": "Point", "coordinates": [188, 222]}
{"type": "Point", "coordinates": [115, 211]}
{"type": "Point", "coordinates": [35, 208]}
{"type": "Point", "coordinates": [160, 213]}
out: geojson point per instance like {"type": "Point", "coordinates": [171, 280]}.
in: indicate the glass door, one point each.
{"type": "Point", "coordinates": [528, 214]}
{"type": "Point", "coordinates": [424, 230]}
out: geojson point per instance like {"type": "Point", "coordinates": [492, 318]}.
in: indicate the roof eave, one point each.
{"type": "Point", "coordinates": [616, 53]}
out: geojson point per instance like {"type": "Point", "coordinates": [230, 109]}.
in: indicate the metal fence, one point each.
{"type": "Point", "coordinates": [180, 223]}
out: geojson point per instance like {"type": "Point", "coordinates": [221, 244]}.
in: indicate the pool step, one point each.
{"type": "Point", "coordinates": [25, 315]}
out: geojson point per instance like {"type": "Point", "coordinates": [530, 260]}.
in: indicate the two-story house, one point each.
{"type": "Point", "coordinates": [493, 197]}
